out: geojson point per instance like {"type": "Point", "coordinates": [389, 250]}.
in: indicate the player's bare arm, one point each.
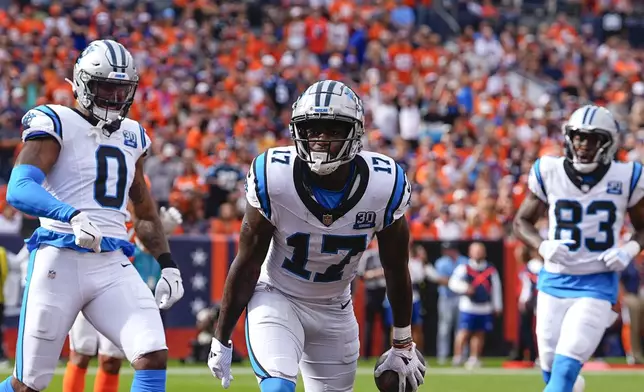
{"type": "Point", "coordinates": [531, 210]}
{"type": "Point", "coordinates": [41, 152]}
{"type": "Point", "coordinates": [147, 223]}
{"type": "Point", "coordinates": [403, 358]}
{"type": "Point", "coordinates": [149, 230]}
{"type": "Point", "coordinates": [394, 256]}
{"type": "Point", "coordinates": [636, 213]}
{"type": "Point", "coordinates": [254, 239]}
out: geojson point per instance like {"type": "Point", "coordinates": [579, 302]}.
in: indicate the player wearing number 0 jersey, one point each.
{"type": "Point", "coordinates": [85, 341]}
{"type": "Point", "coordinates": [312, 210]}
{"type": "Point", "coordinates": [586, 195]}
{"type": "Point", "coordinates": [76, 170]}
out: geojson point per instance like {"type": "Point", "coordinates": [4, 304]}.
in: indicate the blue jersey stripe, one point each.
{"type": "Point", "coordinates": [23, 315]}
{"type": "Point", "coordinates": [142, 130]}
{"type": "Point", "coordinates": [396, 195]}
{"type": "Point", "coordinates": [635, 178]}
{"type": "Point", "coordinates": [36, 135]}
{"type": "Point", "coordinates": [537, 172]}
{"type": "Point", "coordinates": [58, 127]}
{"type": "Point", "coordinates": [258, 369]}
{"type": "Point", "coordinates": [261, 185]}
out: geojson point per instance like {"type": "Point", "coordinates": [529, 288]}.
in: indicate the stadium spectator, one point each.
{"type": "Point", "coordinates": [447, 299]}
{"type": "Point", "coordinates": [370, 270]}
{"type": "Point", "coordinates": [464, 109]}
{"type": "Point", "coordinates": [479, 286]}
{"type": "Point", "coordinates": [632, 287]}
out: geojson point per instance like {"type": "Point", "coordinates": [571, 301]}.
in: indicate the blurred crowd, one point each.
{"type": "Point", "coordinates": [465, 108]}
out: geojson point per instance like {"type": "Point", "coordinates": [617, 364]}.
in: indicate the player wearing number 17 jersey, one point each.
{"type": "Point", "coordinates": [312, 210]}
{"type": "Point", "coordinates": [76, 170]}
{"type": "Point", "coordinates": [586, 195]}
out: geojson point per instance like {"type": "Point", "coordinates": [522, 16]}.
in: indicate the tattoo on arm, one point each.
{"type": "Point", "coordinates": [147, 223]}
{"type": "Point", "coordinates": [394, 256]}
{"type": "Point", "coordinates": [42, 153]}
{"type": "Point", "coordinates": [254, 240]}
{"type": "Point", "coordinates": [529, 213]}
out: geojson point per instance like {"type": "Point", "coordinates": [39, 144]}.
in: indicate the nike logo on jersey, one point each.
{"type": "Point", "coordinates": [126, 265]}
{"type": "Point", "coordinates": [345, 305]}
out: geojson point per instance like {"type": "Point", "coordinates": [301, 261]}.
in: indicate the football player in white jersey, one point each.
{"type": "Point", "coordinates": [75, 171]}
{"type": "Point", "coordinates": [85, 341]}
{"type": "Point", "coordinates": [586, 195]}
{"type": "Point", "coordinates": [312, 210]}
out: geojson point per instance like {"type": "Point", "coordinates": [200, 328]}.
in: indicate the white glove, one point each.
{"type": "Point", "coordinates": [556, 251]}
{"type": "Point", "coordinates": [219, 361]}
{"type": "Point", "coordinates": [170, 219]}
{"type": "Point", "coordinates": [404, 362]}
{"type": "Point", "coordinates": [87, 235]}
{"type": "Point", "coordinates": [617, 259]}
{"type": "Point", "coordinates": [169, 288]}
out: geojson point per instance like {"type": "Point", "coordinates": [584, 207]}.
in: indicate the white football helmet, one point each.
{"type": "Point", "coordinates": [105, 80]}
{"type": "Point", "coordinates": [327, 100]}
{"type": "Point", "coordinates": [596, 127]}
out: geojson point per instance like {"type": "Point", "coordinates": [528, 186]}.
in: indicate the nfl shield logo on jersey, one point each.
{"type": "Point", "coordinates": [130, 139]}
{"type": "Point", "coordinates": [614, 188]}
{"type": "Point", "coordinates": [327, 219]}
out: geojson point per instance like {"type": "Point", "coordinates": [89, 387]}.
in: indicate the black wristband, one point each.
{"type": "Point", "coordinates": [73, 215]}
{"type": "Point", "coordinates": [402, 343]}
{"type": "Point", "coordinates": [165, 261]}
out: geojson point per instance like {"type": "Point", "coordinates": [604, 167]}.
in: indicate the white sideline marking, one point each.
{"type": "Point", "coordinates": [363, 371]}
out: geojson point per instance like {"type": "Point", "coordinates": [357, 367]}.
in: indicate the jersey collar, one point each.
{"type": "Point", "coordinates": [349, 200]}
{"type": "Point", "coordinates": [585, 181]}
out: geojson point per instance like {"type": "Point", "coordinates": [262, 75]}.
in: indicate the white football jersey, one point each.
{"type": "Point", "coordinates": [94, 172]}
{"type": "Point", "coordinates": [315, 252]}
{"type": "Point", "coordinates": [592, 216]}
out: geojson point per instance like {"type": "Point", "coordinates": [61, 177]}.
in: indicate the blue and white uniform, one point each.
{"type": "Point", "coordinates": [93, 174]}
{"type": "Point", "coordinates": [575, 298]}
{"type": "Point", "coordinates": [301, 315]}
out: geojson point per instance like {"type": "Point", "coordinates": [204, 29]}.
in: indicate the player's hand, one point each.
{"type": "Point", "coordinates": [404, 362]}
{"type": "Point", "coordinates": [169, 288]}
{"type": "Point", "coordinates": [86, 234]}
{"type": "Point", "coordinates": [219, 361]}
{"type": "Point", "coordinates": [170, 219]}
{"type": "Point", "coordinates": [556, 251]}
{"type": "Point", "coordinates": [616, 259]}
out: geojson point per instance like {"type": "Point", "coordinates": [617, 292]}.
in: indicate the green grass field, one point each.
{"type": "Point", "coordinates": [443, 379]}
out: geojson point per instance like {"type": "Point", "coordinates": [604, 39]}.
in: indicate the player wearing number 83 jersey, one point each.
{"type": "Point", "coordinates": [76, 171]}
{"type": "Point", "coordinates": [312, 210]}
{"type": "Point", "coordinates": [586, 195]}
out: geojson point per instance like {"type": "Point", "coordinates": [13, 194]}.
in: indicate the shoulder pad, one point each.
{"type": "Point", "coordinates": [540, 171]}
{"type": "Point", "coordinates": [42, 121]}
{"type": "Point", "coordinates": [135, 135]}
{"type": "Point", "coordinates": [384, 169]}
